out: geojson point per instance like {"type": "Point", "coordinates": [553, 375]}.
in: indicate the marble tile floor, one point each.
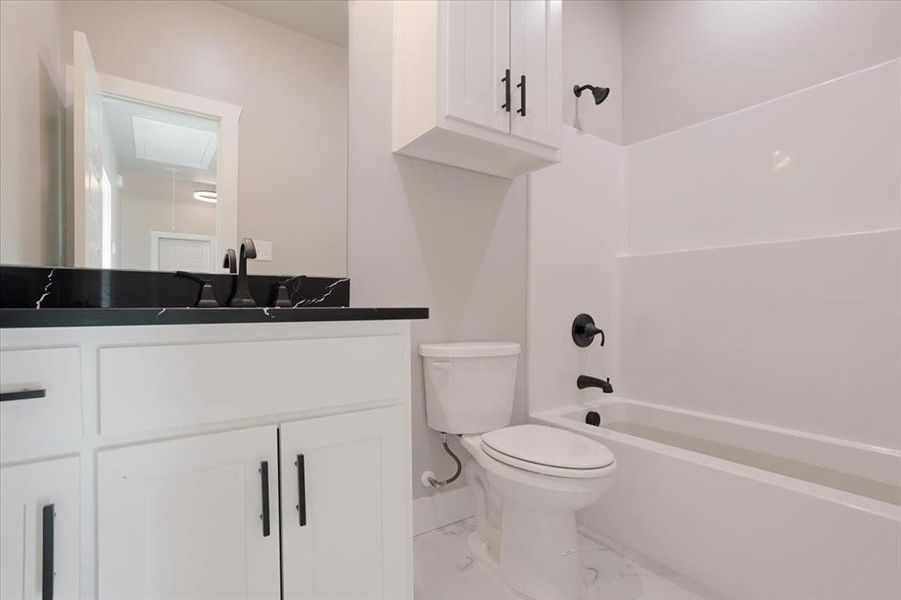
{"type": "Point", "coordinates": [444, 569]}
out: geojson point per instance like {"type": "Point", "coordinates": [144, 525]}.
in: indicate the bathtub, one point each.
{"type": "Point", "coordinates": [748, 510]}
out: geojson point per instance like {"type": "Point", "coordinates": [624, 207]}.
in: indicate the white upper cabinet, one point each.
{"type": "Point", "coordinates": [477, 83]}
{"type": "Point", "coordinates": [535, 59]}
{"type": "Point", "coordinates": [478, 50]}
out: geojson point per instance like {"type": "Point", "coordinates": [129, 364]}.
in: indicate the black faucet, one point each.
{"type": "Point", "coordinates": [230, 261]}
{"type": "Point", "coordinates": [242, 298]}
{"type": "Point", "coordinates": [584, 381]}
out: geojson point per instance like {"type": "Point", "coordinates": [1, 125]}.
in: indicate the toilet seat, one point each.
{"type": "Point", "coordinates": [548, 451]}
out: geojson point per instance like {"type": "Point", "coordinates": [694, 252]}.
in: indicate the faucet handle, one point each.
{"type": "Point", "coordinates": [206, 298]}
{"type": "Point", "coordinates": [584, 330]}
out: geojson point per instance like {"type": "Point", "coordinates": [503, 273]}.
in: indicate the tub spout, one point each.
{"type": "Point", "coordinates": [584, 381]}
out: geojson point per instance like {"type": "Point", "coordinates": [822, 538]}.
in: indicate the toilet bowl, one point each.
{"type": "Point", "coordinates": [533, 541]}
{"type": "Point", "coordinates": [527, 480]}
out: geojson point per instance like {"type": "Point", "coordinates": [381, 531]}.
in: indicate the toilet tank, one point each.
{"type": "Point", "coordinates": [469, 385]}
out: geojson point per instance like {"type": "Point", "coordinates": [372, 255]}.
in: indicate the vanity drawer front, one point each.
{"type": "Point", "coordinates": [147, 388]}
{"type": "Point", "coordinates": [42, 425]}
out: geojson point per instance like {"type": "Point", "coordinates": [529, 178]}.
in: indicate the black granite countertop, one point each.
{"type": "Point", "coordinates": [73, 297]}
{"type": "Point", "coordinates": [106, 317]}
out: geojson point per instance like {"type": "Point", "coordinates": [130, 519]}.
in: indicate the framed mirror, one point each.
{"type": "Point", "coordinates": [163, 133]}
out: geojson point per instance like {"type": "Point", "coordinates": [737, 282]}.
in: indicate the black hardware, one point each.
{"type": "Point", "coordinates": [522, 94]}
{"type": "Point", "coordinates": [584, 331]}
{"type": "Point", "coordinates": [282, 297]}
{"type": "Point", "coordinates": [301, 491]}
{"type": "Point", "coordinates": [47, 552]}
{"type": "Point", "coordinates": [264, 492]}
{"type": "Point", "coordinates": [242, 297]}
{"type": "Point", "coordinates": [593, 418]}
{"type": "Point", "coordinates": [22, 395]}
{"type": "Point", "coordinates": [206, 298]}
{"type": "Point", "coordinates": [584, 381]}
{"type": "Point", "coordinates": [506, 82]}
{"type": "Point", "coordinates": [230, 261]}
{"type": "Point", "coordinates": [600, 93]}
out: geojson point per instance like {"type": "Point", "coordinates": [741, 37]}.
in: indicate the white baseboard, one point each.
{"type": "Point", "coordinates": [440, 509]}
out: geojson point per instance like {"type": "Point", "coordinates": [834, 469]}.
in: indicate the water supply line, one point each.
{"type": "Point", "coordinates": [428, 478]}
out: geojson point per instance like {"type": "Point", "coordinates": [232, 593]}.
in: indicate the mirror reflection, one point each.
{"type": "Point", "coordinates": [158, 184]}
{"type": "Point", "coordinates": [155, 135]}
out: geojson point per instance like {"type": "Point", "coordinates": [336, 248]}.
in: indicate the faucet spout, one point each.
{"type": "Point", "coordinates": [242, 297]}
{"type": "Point", "coordinates": [584, 381]}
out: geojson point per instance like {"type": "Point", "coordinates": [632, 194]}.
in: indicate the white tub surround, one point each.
{"type": "Point", "coordinates": [749, 510]}
{"type": "Point", "coordinates": [240, 460]}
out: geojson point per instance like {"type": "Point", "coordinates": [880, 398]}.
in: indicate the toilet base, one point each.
{"type": "Point", "coordinates": [533, 541]}
{"type": "Point", "coordinates": [539, 555]}
{"type": "Point", "coordinates": [550, 570]}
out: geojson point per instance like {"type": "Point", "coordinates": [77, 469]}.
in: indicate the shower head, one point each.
{"type": "Point", "coordinates": [600, 93]}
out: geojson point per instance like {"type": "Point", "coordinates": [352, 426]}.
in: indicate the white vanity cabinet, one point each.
{"type": "Point", "coordinates": [265, 460]}
{"type": "Point", "coordinates": [194, 517]}
{"type": "Point", "coordinates": [40, 512]}
{"type": "Point", "coordinates": [344, 532]}
{"type": "Point", "coordinates": [477, 84]}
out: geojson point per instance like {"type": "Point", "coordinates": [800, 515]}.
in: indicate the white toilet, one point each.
{"type": "Point", "coordinates": [528, 480]}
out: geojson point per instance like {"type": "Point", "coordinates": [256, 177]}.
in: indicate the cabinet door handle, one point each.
{"type": "Point", "coordinates": [506, 82]}
{"type": "Point", "coordinates": [264, 492]}
{"type": "Point", "coordinates": [49, 515]}
{"type": "Point", "coordinates": [301, 491]}
{"type": "Point", "coordinates": [522, 94]}
{"type": "Point", "coordinates": [23, 395]}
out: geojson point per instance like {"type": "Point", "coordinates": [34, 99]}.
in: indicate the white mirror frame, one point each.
{"type": "Point", "coordinates": [227, 162]}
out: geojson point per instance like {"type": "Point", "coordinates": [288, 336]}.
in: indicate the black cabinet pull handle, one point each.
{"type": "Point", "coordinates": [22, 395]}
{"type": "Point", "coordinates": [264, 492]}
{"type": "Point", "coordinates": [506, 82]}
{"type": "Point", "coordinates": [522, 94]}
{"type": "Point", "coordinates": [47, 553]}
{"type": "Point", "coordinates": [301, 491]}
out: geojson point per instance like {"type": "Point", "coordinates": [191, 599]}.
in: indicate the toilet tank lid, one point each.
{"type": "Point", "coordinates": [469, 349]}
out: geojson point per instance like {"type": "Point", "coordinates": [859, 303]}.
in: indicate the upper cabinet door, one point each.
{"type": "Point", "coordinates": [195, 517]}
{"type": "Point", "coordinates": [345, 496]}
{"type": "Point", "coordinates": [90, 178]}
{"type": "Point", "coordinates": [535, 63]}
{"type": "Point", "coordinates": [39, 524]}
{"type": "Point", "coordinates": [478, 47]}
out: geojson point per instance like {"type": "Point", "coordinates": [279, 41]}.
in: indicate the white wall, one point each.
{"type": "Point", "coordinates": [686, 61]}
{"type": "Point", "coordinates": [147, 205]}
{"type": "Point", "coordinates": [422, 234]}
{"type": "Point", "coordinates": [592, 53]}
{"type": "Point", "coordinates": [32, 122]}
{"type": "Point", "coordinates": [292, 174]}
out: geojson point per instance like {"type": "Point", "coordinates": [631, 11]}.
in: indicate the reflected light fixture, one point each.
{"type": "Point", "coordinates": [206, 196]}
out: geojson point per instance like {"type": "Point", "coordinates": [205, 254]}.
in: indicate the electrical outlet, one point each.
{"type": "Point", "coordinates": [264, 250]}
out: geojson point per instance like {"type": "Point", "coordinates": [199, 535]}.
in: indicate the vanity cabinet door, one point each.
{"type": "Point", "coordinates": [344, 502]}
{"type": "Point", "coordinates": [195, 517]}
{"type": "Point", "coordinates": [478, 54]}
{"type": "Point", "coordinates": [39, 525]}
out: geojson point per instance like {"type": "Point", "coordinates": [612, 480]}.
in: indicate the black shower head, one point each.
{"type": "Point", "coordinates": [600, 93]}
